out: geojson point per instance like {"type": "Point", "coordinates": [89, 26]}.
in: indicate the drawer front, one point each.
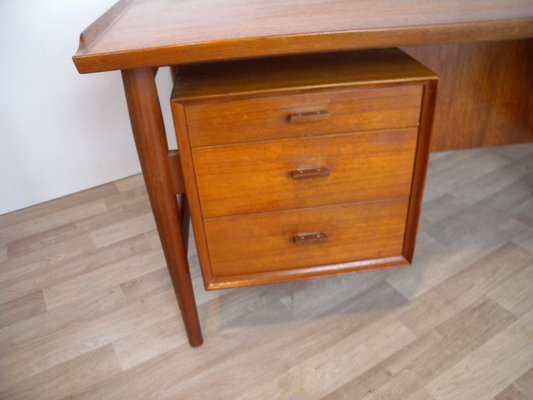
{"type": "Point", "coordinates": [297, 173]}
{"type": "Point", "coordinates": [303, 238]}
{"type": "Point", "coordinates": [316, 113]}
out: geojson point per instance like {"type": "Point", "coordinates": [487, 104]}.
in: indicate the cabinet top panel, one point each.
{"type": "Point", "coordinates": [260, 76]}
{"type": "Point", "coordinates": [145, 33]}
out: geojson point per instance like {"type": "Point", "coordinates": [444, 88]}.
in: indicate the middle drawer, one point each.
{"type": "Point", "coordinates": [297, 173]}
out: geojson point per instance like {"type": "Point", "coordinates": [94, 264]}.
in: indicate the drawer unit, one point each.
{"type": "Point", "coordinates": [303, 166]}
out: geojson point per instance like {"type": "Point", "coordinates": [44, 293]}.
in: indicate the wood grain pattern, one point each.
{"type": "Point", "coordinates": [72, 376]}
{"type": "Point", "coordinates": [102, 279]}
{"type": "Point", "coordinates": [161, 337]}
{"type": "Point", "coordinates": [150, 140]}
{"type": "Point", "coordinates": [496, 363]}
{"type": "Point", "coordinates": [127, 342]}
{"type": "Point", "coordinates": [147, 33]}
{"type": "Point", "coordinates": [239, 78]}
{"type": "Point", "coordinates": [484, 93]}
{"type": "Point", "coordinates": [514, 294]}
{"type": "Point", "coordinates": [339, 368]}
{"type": "Point", "coordinates": [264, 242]}
{"type": "Point", "coordinates": [122, 230]}
{"type": "Point", "coordinates": [179, 118]}
{"type": "Point", "coordinates": [22, 308]}
{"type": "Point", "coordinates": [448, 297]}
{"type": "Point", "coordinates": [56, 263]}
{"type": "Point", "coordinates": [268, 117]}
{"type": "Point", "coordinates": [420, 168]}
{"type": "Point", "coordinates": [255, 177]}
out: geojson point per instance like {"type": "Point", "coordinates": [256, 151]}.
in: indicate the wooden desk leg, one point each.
{"type": "Point", "coordinates": [150, 139]}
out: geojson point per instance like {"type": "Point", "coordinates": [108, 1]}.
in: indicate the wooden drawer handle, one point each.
{"type": "Point", "coordinates": [308, 116]}
{"type": "Point", "coordinates": [310, 173]}
{"type": "Point", "coordinates": [303, 238]}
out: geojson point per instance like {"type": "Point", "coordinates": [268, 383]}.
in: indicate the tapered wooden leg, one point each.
{"type": "Point", "coordinates": [150, 139]}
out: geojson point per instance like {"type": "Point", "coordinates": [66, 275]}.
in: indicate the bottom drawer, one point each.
{"type": "Point", "coordinates": [287, 240]}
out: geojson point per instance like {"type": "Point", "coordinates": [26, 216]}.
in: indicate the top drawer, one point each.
{"type": "Point", "coordinates": [296, 115]}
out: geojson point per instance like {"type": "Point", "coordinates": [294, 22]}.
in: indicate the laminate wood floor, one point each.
{"type": "Point", "coordinates": [87, 309]}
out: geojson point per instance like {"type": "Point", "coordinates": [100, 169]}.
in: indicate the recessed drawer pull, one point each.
{"type": "Point", "coordinates": [308, 116]}
{"type": "Point", "coordinates": [310, 173]}
{"type": "Point", "coordinates": [303, 238]}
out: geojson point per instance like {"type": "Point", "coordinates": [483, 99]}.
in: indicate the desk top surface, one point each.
{"type": "Point", "coordinates": [144, 33]}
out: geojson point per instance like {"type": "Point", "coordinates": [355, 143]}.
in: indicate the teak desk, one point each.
{"type": "Point", "coordinates": [481, 49]}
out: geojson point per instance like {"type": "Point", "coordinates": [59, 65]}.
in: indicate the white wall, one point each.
{"type": "Point", "coordinates": [60, 132]}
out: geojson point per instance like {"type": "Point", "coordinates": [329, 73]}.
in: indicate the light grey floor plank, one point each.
{"type": "Point", "coordinates": [67, 378]}
{"type": "Point", "coordinates": [488, 370]}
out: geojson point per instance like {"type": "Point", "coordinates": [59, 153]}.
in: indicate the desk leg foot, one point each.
{"type": "Point", "coordinates": [150, 139]}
